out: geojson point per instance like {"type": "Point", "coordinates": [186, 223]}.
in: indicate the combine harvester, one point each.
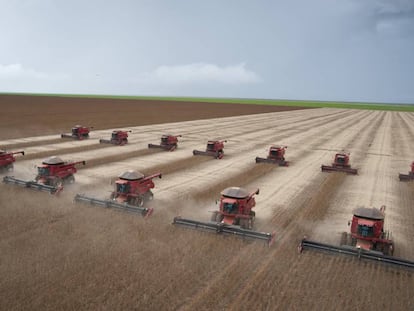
{"type": "Point", "coordinates": [214, 149]}
{"type": "Point", "coordinates": [168, 142]}
{"type": "Point", "coordinates": [7, 159]}
{"type": "Point", "coordinates": [409, 176]}
{"type": "Point", "coordinates": [119, 138]}
{"type": "Point", "coordinates": [235, 216]}
{"type": "Point", "coordinates": [340, 164]}
{"type": "Point", "coordinates": [276, 155]}
{"type": "Point", "coordinates": [52, 174]}
{"type": "Point", "coordinates": [132, 191]}
{"type": "Point", "coordinates": [367, 239]}
{"type": "Point", "coordinates": [79, 132]}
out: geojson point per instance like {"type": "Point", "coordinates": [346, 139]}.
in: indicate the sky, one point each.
{"type": "Point", "coordinates": [340, 50]}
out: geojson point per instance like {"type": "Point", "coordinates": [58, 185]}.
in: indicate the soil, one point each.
{"type": "Point", "coordinates": [60, 255]}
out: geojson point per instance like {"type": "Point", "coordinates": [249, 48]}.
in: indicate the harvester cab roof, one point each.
{"type": "Point", "coordinates": [54, 160]}
{"type": "Point", "coordinates": [131, 175]}
{"type": "Point", "coordinates": [236, 193]}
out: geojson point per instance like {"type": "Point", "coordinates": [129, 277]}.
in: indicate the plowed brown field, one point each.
{"type": "Point", "coordinates": [59, 255]}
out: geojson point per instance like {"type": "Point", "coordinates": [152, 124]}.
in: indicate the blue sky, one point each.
{"type": "Point", "coordinates": [352, 50]}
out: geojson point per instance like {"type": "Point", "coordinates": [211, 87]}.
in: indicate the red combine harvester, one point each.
{"type": "Point", "coordinates": [214, 149]}
{"type": "Point", "coordinates": [52, 174]}
{"type": "Point", "coordinates": [78, 132]}
{"type": "Point", "coordinates": [132, 190]}
{"type": "Point", "coordinates": [340, 164]}
{"type": "Point", "coordinates": [276, 156]}
{"type": "Point", "coordinates": [367, 239]}
{"type": "Point", "coordinates": [119, 138]}
{"type": "Point", "coordinates": [7, 159]}
{"type": "Point", "coordinates": [235, 216]}
{"type": "Point", "coordinates": [168, 142]}
{"type": "Point", "coordinates": [409, 176]}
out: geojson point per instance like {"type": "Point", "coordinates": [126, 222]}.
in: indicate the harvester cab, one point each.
{"type": "Point", "coordinates": [168, 142]}
{"type": "Point", "coordinates": [236, 208]}
{"type": "Point", "coordinates": [78, 132]}
{"type": "Point", "coordinates": [132, 191]}
{"type": "Point", "coordinates": [409, 176]}
{"type": "Point", "coordinates": [52, 174]}
{"type": "Point", "coordinates": [117, 138]}
{"type": "Point", "coordinates": [340, 164]}
{"type": "Point", "coordinates": [276, 155]}
{"type": "Point", "coordinates": [7, 159]}
{"type": "Point", "coordinates": [367, 231]}
{"type": "Point", "coordinates": [235, 216]}
{"type": "Point", "coordinates": [214, 148]}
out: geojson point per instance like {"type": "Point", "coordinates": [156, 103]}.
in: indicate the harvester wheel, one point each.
{"type": "Point", "coordinates": [219, 217]}
{"type": "Point", "coordinates": [244, 223]}
{"type": "Point", "coordinates": [149, 195]}
{"type": "Point", "coordinates": [138, 201]}
{"type": "Point", "coordinates": [70, 179]}
{"type": "Point", "coordinates": [344, 239]}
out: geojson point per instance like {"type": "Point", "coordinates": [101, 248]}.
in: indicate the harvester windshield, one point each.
{"type": "Point", "coordinates": [43, 171]}
{"type": "Point", "coordinates": [164, 139]}
{"type": "Point", "coordinates": [122, 188]}
{"type": "Point", "coordinates": [114, 136]}
{"type": "Point", "coordinates": [366, 228]}
{"type": "Point", "coordinates": [230, 207]}
{"type": "Point", "coordinates": [210, 146]}
{"type": "Point", "coordinates": [75, 131]}
{"type": "Point", "coordinates": [274, 152]}
{"type": "Point", "coordinates": [340, 159]}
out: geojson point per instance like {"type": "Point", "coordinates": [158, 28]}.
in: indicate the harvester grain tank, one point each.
{"type": "Point", "coordinates": [79, 132]}
{"type": "Point", "coordinates": [235, 216]}
{"type": "Point", "coordinates": [366, 239]}
{"type": "Point", "coordinates": [168, 142]}
{"type": "Point", "coordinates": [340, 164]}
{"type": "Point", "coordinates": [409, 176]}
{"type": "Point", "coordinates": [52, 174]}
{"type": "Point", "coordinates": [276, 155]}
{"type": "Point", "coordinates": [7, 158]}
{"type": "Point", "coordinates": [214, 149]}
{"type": "Point", "coordinates": [132, 191]}
{"type": "Point", "coordinates": [118, 137]}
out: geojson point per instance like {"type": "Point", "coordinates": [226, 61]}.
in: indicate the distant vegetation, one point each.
{"type": "Point", "coordinates": [276, 102]}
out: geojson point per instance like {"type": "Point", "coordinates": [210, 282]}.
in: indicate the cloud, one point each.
{"type": "Point", "coordinates": [200, 73]}
{"type": "Point", "coordinates": [18, 71]}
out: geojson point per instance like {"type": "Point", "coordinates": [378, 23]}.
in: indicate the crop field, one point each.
{"type": "Point", "coordinates": [56, 254]}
